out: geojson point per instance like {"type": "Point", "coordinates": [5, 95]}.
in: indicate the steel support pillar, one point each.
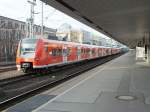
{"type": "Point", "coordinates": [148, 53]}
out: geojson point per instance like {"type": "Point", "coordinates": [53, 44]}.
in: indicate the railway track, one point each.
{"type": "Point", "coordinates": [5, 69]}
{"type": "Point", "coordinates": [17, 89]}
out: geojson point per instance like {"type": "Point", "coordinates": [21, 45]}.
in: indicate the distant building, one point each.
{"type": "Point", "coordinates": [37, 31]}
{"type": "Point", "coordinates": [11, 31]}
{"type": "Point", "coordinates": [87, 37]}
{"type": "Point", "coordinates": [110, 42]}
{"type": "Point", "coordinates": [67, 33]}
{"type": "Point", "coordinates": [103, 42]}
{"type": "Point", "coordinates": [96, 40]}
{"type": "Point", "coordinates": [64, 32]}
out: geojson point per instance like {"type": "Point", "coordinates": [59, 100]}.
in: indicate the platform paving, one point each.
{"type": "Point", "coordinates": [98, 92]}
{"type": "Point", "coordinates": [31, 104]}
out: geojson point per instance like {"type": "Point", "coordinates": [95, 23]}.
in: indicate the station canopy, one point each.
{"type": "Point", "coordinates": [127, 21]}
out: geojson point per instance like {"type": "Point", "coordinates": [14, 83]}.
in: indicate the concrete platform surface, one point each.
{"type": "Point", "coordinates": [98, 92]}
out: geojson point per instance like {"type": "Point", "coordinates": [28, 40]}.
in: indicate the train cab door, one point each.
{"type": "Point", "coordinates": [65, 54]}
{"type": "Point", "coordinates": [78, 52]}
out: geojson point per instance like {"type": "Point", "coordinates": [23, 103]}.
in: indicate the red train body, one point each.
{"type": "Point", "coordinates": [44, 53]}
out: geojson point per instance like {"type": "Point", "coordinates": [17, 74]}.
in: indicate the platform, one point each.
{"type": "Point", "coordinates": [100, 89]}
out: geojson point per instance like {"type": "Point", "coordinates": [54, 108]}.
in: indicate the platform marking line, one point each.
{"type": "Point", "coordinates": [111, 68]}
{"type": "Point", "coordinates": [50, 101]}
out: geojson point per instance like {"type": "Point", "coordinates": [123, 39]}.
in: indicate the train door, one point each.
{"type": "Point", "coordinates": [90, 52]}
{"type": "Point", "coordinates": [102, 51]}
{"type": "Point", "coordinates": [97, 51]}
{"type": "Point", "coordinates": [78, 52]}
{"type": "Point", "coordinates": [65, 54]}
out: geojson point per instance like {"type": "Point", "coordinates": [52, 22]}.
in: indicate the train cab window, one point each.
{"type": "Point", "coordinates": [28, 46]}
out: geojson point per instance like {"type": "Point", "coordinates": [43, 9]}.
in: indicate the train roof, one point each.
{"type": "Point", "coordinates": [73, 43]}
{"type": "Point", "coordinates": [62, 42]}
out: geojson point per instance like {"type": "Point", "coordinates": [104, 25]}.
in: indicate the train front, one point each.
{"type": "Point", "coordinates": [26, 54]}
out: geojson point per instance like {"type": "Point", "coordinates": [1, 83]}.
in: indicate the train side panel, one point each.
{"type": "Point", "coordinates": [47, 53]}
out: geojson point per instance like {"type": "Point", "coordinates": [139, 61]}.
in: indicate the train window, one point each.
{"type": "Point", "coordinates": [53, 52]}
{"type": "Point", "coordinates": [27, 47]}
{"type": "Point", "coordinates": [82, 51]}
{"type": "Point", "coordinates": [59, 52]}
{"type": "Point", "coordinates": [93, 51]}
{"type": "Point", "coordinates": [67, 52]}
{"type": "Point", "coordinates": [87, 51]}
{"type": "Point", "coordinates": [56, 52]}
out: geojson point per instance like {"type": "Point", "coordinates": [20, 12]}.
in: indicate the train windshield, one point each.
{"type": "Point", "coordinates": [28, 46]}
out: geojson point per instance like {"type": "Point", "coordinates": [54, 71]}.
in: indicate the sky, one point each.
{"type": "Point", "coordinates": [20, 10]}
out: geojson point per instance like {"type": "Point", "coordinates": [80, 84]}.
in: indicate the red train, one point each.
{"type": "Point", "coordinates": [43, 53]}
